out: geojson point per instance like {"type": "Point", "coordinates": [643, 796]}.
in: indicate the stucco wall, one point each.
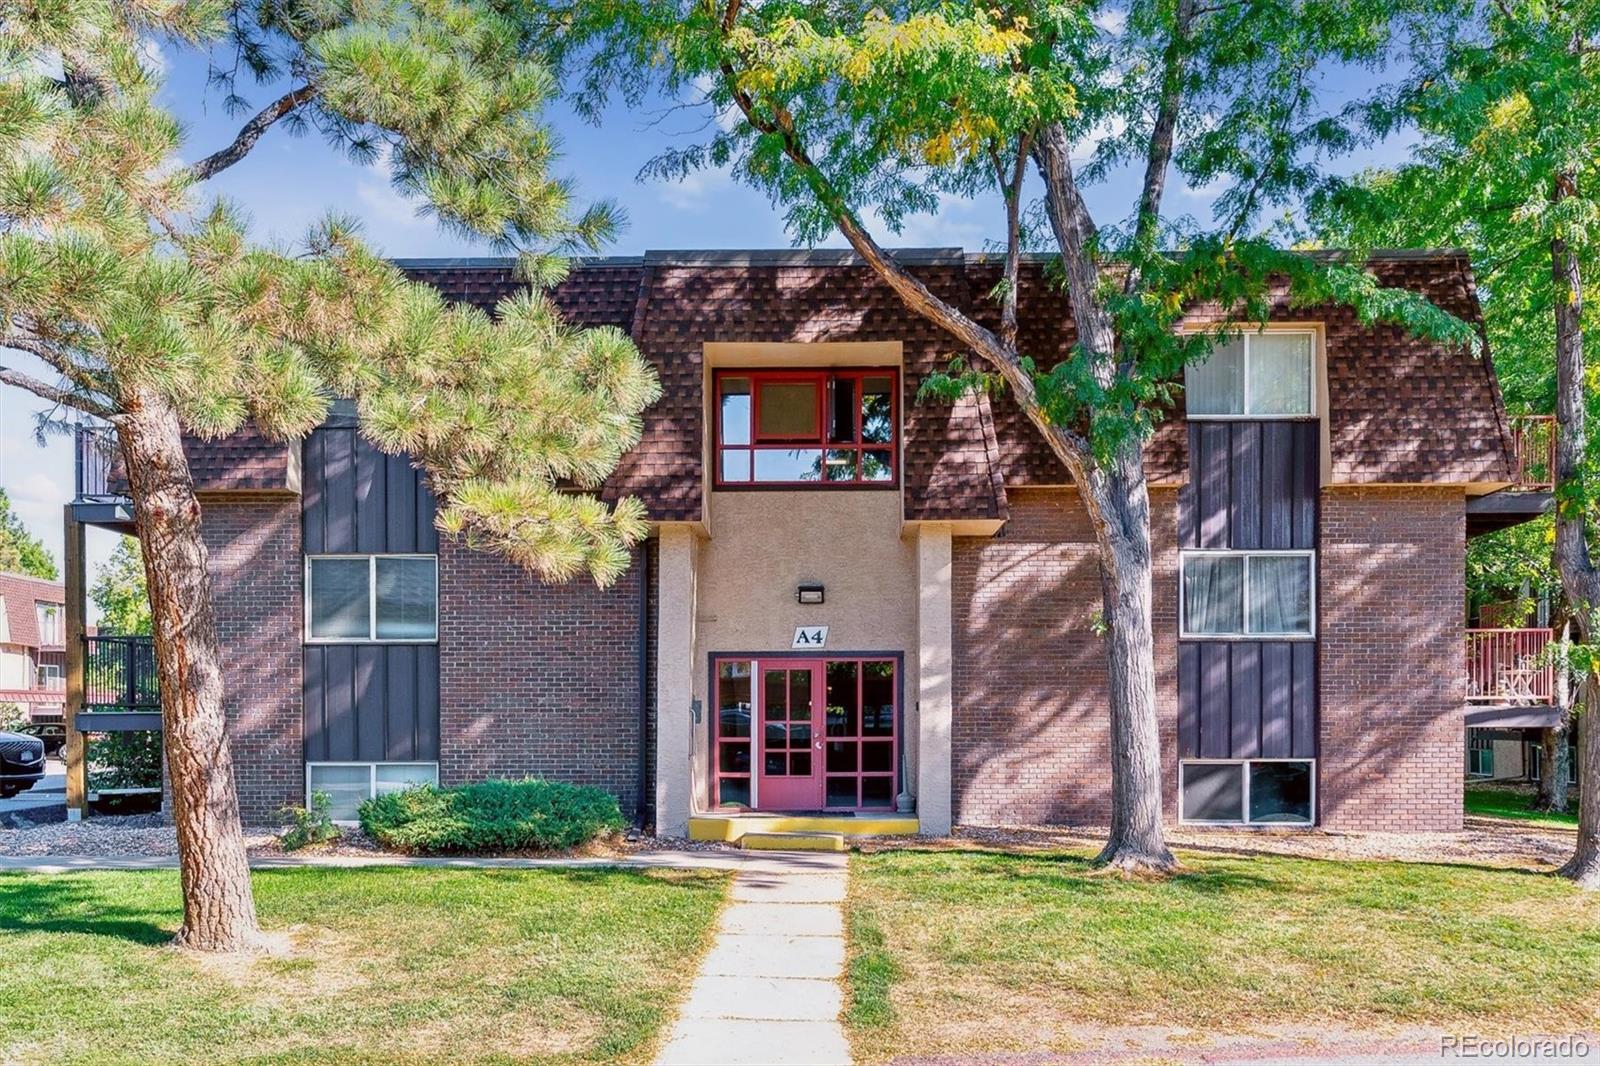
{"type": "Point", "coordinates": [764, 543]}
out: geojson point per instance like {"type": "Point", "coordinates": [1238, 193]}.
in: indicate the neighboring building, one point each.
{"type": "Point", "coordinates": [855, 602]}
{"type": "Point", "coordinates": [32, 646]}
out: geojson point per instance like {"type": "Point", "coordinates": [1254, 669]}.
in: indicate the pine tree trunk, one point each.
{"type": "Point", "coordinates": [219, 911]}
{"type": "Point", "coordinates": [1120, 509]}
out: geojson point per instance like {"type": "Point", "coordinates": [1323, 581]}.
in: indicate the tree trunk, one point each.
{"type": "Point", "coordinates": [1554, 756]}
{"type": "Point", "coordinates": [1584, 866]}
{"type": "Point", "coordinates": [1580, 580]}
{"type": "Point", "coordinates": [219, 911]}
{"type": "Point", "coordinates": [1119, 506]}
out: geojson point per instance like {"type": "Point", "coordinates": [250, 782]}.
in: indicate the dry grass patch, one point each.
{"type": "Point", "coordinates": [973, 951]}
{"type": "Point", "coordinates": [383, 965]}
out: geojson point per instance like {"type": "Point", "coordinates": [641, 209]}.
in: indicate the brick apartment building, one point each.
{"type": "Point", "coordinates": [858, 605]}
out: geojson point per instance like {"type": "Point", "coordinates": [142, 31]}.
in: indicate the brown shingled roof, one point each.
{"type": "Point", "coordinates": [1402, 409]}
{"type": "Point", "coordinates": [21, 593]}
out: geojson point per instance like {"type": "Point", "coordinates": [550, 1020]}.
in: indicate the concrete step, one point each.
{"type": "Point", "coordinates": [792, 841]}
{"type": "Point", "coordinates": [731, 826]}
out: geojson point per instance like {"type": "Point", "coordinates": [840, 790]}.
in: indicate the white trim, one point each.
{"type": "Point", "coordinates": [1244, 414]}
{"type": "Point", "coordinates": [372, 598]}
{"type": "Point", "coordinates": [1244, 795]}
{"type": "Point", "coordinates": [372, 775]}
{"type": "Point", "coordinates": [1244, 589]}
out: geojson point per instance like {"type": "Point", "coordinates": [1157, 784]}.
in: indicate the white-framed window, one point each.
{"type": "Point", "coordinates": [349, 784]}
{"type": "Point", "coordinates": [1245, 594]}
{"type": "Point", "coordinates": [1247, 791]}
{"type": "Point", "coordinates": [51, 676]}
{"type": "Point", "coordinates": [365, 599]}
{"type": "Point", "coordinates": [49, 617]}
{"type": "Point", "coordinates": [1267, 374]}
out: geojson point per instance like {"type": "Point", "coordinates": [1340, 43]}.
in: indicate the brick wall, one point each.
{"type": "Point", "coordinates": [536, 679]}
{"type": "Point", "coordinates": [1030, 730]}
{"type": "Point", "coordinates": [1392, 599]}
{"type": "Point", "coordinates": [254, 548]}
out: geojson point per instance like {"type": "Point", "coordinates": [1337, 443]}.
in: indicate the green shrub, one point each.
{"type": "Point", "coordinates": [313, 826]}
{"type": "Point", "coordinates": [528, 815]}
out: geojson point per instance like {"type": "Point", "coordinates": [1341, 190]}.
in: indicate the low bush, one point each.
{"type": "Point", "coordinates": [306, 827]}
{"type": "Point", "coordinates": [528, 815]}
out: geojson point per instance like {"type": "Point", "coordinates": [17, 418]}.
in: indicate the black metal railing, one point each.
{"type": "Point", "coordinates": [94, 478]}
{"type": "Point", "coordinates": [120, 672]}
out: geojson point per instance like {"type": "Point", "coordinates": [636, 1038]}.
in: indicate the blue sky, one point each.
{"type": "Point", "coordinates": [288, 182]}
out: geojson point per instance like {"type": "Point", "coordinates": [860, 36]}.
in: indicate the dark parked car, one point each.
{"type": "Point", "coordinates": [21, 763]}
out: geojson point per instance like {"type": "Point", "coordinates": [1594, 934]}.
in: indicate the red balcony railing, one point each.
{"type": "Point", "coordinates": [1533, 437]}
{"type": "Point", "coordinates": [1509, 666]}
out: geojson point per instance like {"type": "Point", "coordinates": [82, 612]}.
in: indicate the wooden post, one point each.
{"type": "Point", "coordinates": [77, 608]}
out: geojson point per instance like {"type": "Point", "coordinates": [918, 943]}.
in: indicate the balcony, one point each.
{"type": "Point", "coordinates": [1511, 678]}
{"type": "Point", "coordinates": [121, 688]}
{"type": "Point", "coordinates": [99, 499]}
{"type": "Point", "coordinates": [1533, 473]}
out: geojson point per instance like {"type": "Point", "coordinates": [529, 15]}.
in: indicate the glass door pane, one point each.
{"type": "Point", "coordinates": [790, 758]}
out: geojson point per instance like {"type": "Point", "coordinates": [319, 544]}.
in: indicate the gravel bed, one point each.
{"type": "Point", "coordinates": [150, 836]}
{"type": "Point", "coordinates": [1485, 841]}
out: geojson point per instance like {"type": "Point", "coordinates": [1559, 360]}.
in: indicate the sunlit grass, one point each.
{"type": "Point", "coordinates": [382, 965]}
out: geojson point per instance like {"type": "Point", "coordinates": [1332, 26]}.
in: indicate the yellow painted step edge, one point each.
{"type": "Point", "coordinates": [729, 828]}
{"type": "Point", "coordinates": [792, 842]}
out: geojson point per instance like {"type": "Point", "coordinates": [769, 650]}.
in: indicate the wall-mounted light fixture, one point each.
{"type": "Point", "coordinates": [809, 592]}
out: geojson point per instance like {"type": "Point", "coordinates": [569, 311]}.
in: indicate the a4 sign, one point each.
{"type": "Point", "coordinates": [810, 637]}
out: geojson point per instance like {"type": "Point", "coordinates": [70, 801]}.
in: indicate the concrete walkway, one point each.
{"type": "Point", "coordinates": [769, 991]}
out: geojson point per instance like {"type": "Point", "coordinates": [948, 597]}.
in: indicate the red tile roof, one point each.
{"type": "Point", "coordinates": [22, 594]}
{"type": "Point", "coordinates": [1402, 409]}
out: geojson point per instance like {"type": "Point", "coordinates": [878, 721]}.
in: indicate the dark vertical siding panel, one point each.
{"type": "Point", "coordinates": [1212, 497]}
{"type": "Point", "coordinates": [1305, 700]}
{"type": "Point", "coordinates": [1214, 696]}
{"type": "Point", "coordinates": [340, 489]}
{"type": "Point", "coordinates": [371, 499]}
{"type": "Point", "coordinates": [1245, 701]}
{"type": "Point", "coordinates": [339, 693]}
{"type": "Point", "coordinates": [314, 706]}
{"type": "Point", "coordinates": [427, 536]}
{"type": "Point", "coordinates": [1277, 726]}
{"type": "Point", "coordinates": [401, 516]}
{"type": "Point", "coordinates": [428, 702]}
{"type": "Point", "coordinates": [1307, 474]}
{"type": "Point", "coordinates": [401, 728]}
{"type": "Point", "coordinates": [1188, 496]}
{"type": "Point", "coordinates": [1188, 701]}
{"type": "Point", "coordinates": [370, 692]}
{"type": "Point", "coordinates": [313, 495]}
{"type": "Point", "coordinates": [1277, 484]}
{"type": "Point", "coordinates": [1246, 488]}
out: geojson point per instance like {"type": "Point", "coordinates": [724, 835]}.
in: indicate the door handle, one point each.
{"type": "Point", "coordinates": [818, 745]}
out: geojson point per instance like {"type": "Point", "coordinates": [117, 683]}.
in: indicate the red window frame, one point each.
{"type": "Point", "coordinates": [860, 739]}
{"type": "Point", "coordinates": [822, 378]}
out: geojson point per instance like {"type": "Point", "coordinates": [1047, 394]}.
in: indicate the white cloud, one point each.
{"type": "Point", "coordinates": [695, 190]}
{"type": "Point", "coordinates": [1111, 20]}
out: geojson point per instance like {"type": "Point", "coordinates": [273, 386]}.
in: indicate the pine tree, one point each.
{"type": "Point", "coordinates": [152, 310]}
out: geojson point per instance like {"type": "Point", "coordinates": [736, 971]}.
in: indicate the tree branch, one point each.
{"type": "Point", "coordinates": [46, 391]}
{"type": "Point", "coordinates": [1072, 447]}
{"type": "Point", "coordinates": [251, 132]}
{"type": "Point", "coordinates": [1162, 136]}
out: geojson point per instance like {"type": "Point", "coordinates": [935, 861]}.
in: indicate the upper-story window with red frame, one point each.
{"type": "Point", "coordinates": [807, 427]}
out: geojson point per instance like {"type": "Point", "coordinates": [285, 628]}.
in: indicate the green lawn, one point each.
{"type": "Point", "coordinates": [1515, 801]}
{"type": "Point", "coordinates": [386, 965]}
{"type": "Point", "coordinates": [974, 953]}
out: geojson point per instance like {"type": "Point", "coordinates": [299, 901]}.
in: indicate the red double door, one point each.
{"type": "Point", "coordinates": [791, 730]}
